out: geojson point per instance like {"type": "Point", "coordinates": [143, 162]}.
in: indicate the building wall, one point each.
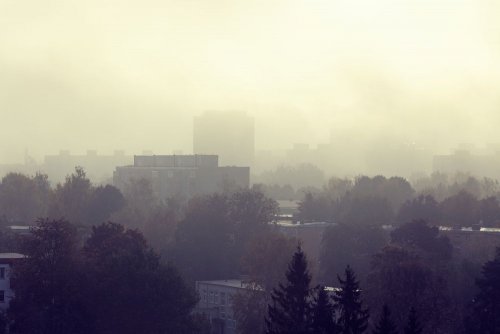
{"type": "Point", "coordinates": [5, 287]}
{"type": "Point", "coordinates": [216, 303]}
{"type": "Point", "coordinates": [182, 176]}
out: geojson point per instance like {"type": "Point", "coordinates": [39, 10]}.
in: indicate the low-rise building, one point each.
{"type": "Point", "coordinates": [216, 302]}
{"type": "Point", "coordinates": [182, 175]}
{"type": "Point", "coordinates": [7, 261]}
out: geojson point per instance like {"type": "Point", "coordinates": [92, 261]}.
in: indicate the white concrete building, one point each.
{"type": "Point", "coordinates": [216, 302]}
{"type": "Point", "coordinates": [7, 261]}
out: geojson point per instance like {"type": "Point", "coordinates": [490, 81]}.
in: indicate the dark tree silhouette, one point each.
{"type": "Point", "coordinates": [47, 282]}
{"type": "Point", "coordinates": [352, 316]}
{"type": "Point", "coordinates": [385, 324]}
{"type": "Point", "coordinates": [413, 325]}
{"type": "Point", "coordinates": [486, 306]}
{"type": "Point", "coordinates": [290, 308]}
{"type": "Point", "coordinates": [323, 313]}
{"type": "Point", "coordinates": [135, 292]}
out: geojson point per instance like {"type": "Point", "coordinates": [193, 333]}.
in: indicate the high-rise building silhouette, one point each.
{"type": "Point", "coordinates": [228, 134]}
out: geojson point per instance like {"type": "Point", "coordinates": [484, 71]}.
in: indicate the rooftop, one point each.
{"type": "Point", "coordinates": [233, 283]}
{"type": "Point", "coordinates": [11, 256]}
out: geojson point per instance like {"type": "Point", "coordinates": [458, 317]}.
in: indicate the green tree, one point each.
{"type": "Point", "coordinates": [385, 324]}
{"type": "Point", "coordinates": [323, 313]}
{"type": "Point", "coordinates": [413, 325]}
{"type": "Point", "coordinates": [48, 282]}
{"type": "Point", "coordinates": [352, 316]}
{"type": "Point", "coordinates": [290, 308]}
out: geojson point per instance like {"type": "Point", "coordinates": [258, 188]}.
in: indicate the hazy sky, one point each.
{"type": "Point", "coordinates": [130, 74]}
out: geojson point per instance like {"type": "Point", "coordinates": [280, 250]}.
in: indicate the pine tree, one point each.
{"type": "Point", "coordinates": [352, 316]}
{"type": "Point", "coordinates": [290, 309]}
{"type": "Point", "coordinates": [486, 306]}
{"type": "Point", "coordinates": [413, 326]}
{"type": "Point", "coordinates": [323, 313]}
{"type": "Point", "coordinates": [385, 324]}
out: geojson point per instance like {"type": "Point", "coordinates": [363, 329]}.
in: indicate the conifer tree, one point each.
{"type": "Point", "coordinates": [385, 324]}
{"type": "Point", "coordinates": [486, 306]}
{"type": "Point", "coordinates": [290, 308]}
{"type": "Point", "coordinates": [323, 313]}
{"type": "Point", "coordinates": [352, 316]}
{"type": "Point", "coordinates": [413, 326]}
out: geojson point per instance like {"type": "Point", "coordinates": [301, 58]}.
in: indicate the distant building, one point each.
{"type": "Point", "coordinates": [182, 175]}
{"type": "Point", "coordinates": [216, 303]}
{"type": "Point", "coordinates": [481, 164]}
{"type": "Point", "coordinates": [230, 135]}
{"type": "Point", "coordinates": [7, 261]}
{"type": "Point", "coordinates": [99, 168]}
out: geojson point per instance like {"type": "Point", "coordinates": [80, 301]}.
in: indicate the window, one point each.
{"type": "Point", "coordinates": [2, 273]}
{"type": "Point", "coordinates": [211, 300]}
{"type": "Point", "coordinates": [222, 298]}
{"type": "Point", "coordinates": [2, 296]}
{"type": "Point", "coordinates": [216, 298]}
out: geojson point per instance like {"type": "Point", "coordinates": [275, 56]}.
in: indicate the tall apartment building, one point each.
{"type": "Point", "coordinates": [182, 175]}
{"type": "Point", "coordinates": [230, 135]}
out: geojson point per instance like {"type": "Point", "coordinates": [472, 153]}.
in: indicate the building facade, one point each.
{"type": "Point", "coordinates": [7, 261]}
{"type": "Point", "coordinates": [182, 175]}
{"type": "Point", "coordinates": [216, 303]}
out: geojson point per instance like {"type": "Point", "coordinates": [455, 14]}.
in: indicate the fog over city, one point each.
{"type": "Point", "coordinates": [131, 75]}
{"type": "Point", "coordinates": [249, 167]}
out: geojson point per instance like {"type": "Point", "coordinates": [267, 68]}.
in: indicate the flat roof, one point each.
{"type": "Point", "coordinates": [10, 256]}
{"type": "Point", "coordinates": [233, 283]}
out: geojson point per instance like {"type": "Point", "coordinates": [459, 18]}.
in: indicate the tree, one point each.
{"type": "Point", "coordinates": [489, 210]}
{"type": "Point", "coordinates": [424, 207]}
{"type": "Point", "coordinates": [250, 211]}
{"type": "Point", "coordinates": [344, 245]}
{"type": "Point", "coordinates": [423, 239]}
{"type": "Point", "coordinates": [413, 325]}
{"type": "Point", "coordinates": [385, 324]}
{"type": "Point", "coordinates": [265, 263]}
{"type": "Point", "coordinates": [399, 277]}
{"type": "Point", "coordinates": [23, 199]}
{"type": "Point", "coordinates": [460, 210]}
{"type": "Point", "coordinates": [290, 308]}
{"type": "Point", "coordinates": [250, 308]}
{"type": "Point", "coordinates": [323, 313]}
{"type": "Point", "coordinates": [486, 305]}
{"type": "Point", "coordinates": [352, 317]}
{"type": "Point", "coordinates": [48, 282]}
{"type": "Point", "coordinates": [103, 201]}
{"type": "Point", "coordinates": [266, 259]}
{"type": "Point", "coordinates": [71, 198]}
{"type": "Point", "coordinates": [205, 243]}
{"type": "Point", "coordinates": [129, 290]}
{"type": "Point", "coordinates": [364, 211]}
